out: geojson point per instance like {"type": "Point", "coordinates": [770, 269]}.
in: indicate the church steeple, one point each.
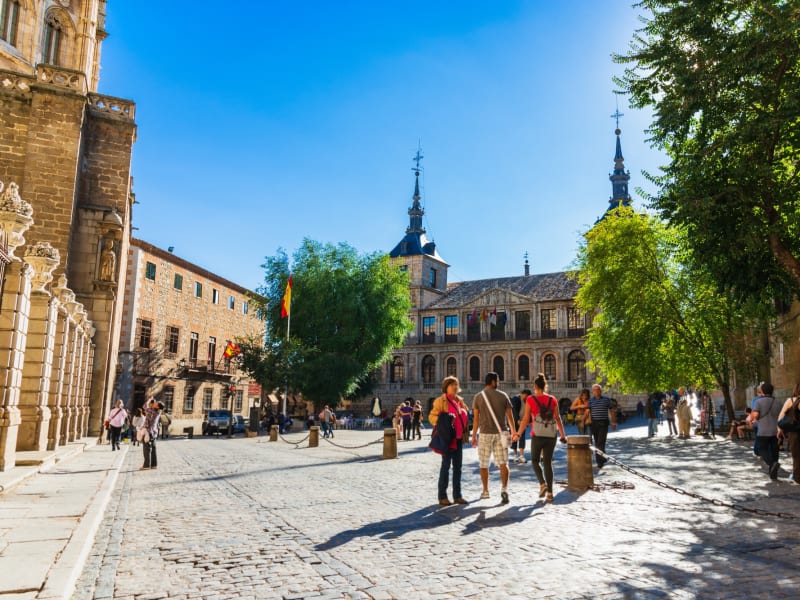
{"type": "Point", "coordinates": [416, 212]}
{"type": "Point", "coordinates": [619, 178]}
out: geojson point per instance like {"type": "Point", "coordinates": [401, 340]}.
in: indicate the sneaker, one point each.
{"type": "Point", "coordinates": [484, 494]}
{"type": "Point", "coordinates": [773, 470]}
{"type": "Point", "coordinates": [549, 497]}
{"type": "Point", "coordinates": [504, 497]}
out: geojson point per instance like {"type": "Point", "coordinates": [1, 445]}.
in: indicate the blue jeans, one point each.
{"type": "Point", "coordinates": [454, 457]}
{"type": "Point", "coordinates": [652, 427]}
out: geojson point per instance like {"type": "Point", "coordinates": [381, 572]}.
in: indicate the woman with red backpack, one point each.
{"type": "Point", "coordinates": [542, 408]}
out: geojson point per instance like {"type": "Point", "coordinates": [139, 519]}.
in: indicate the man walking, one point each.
{"type": "Point", "coordinates": [326, 418]}
{"type": "Point", "coordinates": [765, 413]}
{"type": "Point", "coordinates": [490, 408]}
{"type": "Point", "coordinates": [518, 446]}
{"type": "Point", "coordinates": [151, 417]}
{"type": "Point", "coordinates": [602, 413]}
{"type": "Point", "coordinates": [650, 413]}
{"type": "Point", "coordinates": [407, 414]}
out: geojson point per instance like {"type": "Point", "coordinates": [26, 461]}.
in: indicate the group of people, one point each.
{"type": "Point", "coordinates": [143, 427]}
{"type": "Point", "coordinates": [407, 420]}
{"type": "Point", "coordinates": [500, 424]}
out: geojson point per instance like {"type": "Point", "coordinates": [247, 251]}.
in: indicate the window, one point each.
{"type": "Point", "coordinates": [51, 49]}
{"type": "Point", "coordinates": [259, 314]}
{"type": "Point", "coordinates": [223, 399]}
{"type": "Point", "coordinates": [576, 366]}
{"type": "Point", "coordinates": [497, 325]}
{"type": "Point", "coordinates": [245, 307]}
{"type": "Point", "coordinates": [549, 366]}
{"type": "Point", "coordinates": [231, 302]}
{"type": "Point", "coordinates": [522, 325]}
{"type": "Point", "coordinates": [428, 329]}
{"type": "Point", "coordinates": [208, 399]}
{"type": "Point", "coordinates": [239, 401]}
{"type": "Point", "coordinates": [575, 327]}
{"type": "Point", "coordinates": [173, 337]}
{"type": "Point", "coordinates": [450, 367]}
{"type": "Point", "coordinates": [523, 368]}
{"type": "Point", "coordinates": [9, 16]}
{"type": "Point", "coordinates": [404, 268]}
{"type": "Point", "coordinates": [428, 369]}
{"type": "Point", "coordinates": [214, 296]}
{"type": "Point", "coordinates": [474, 369]}
{"type": "Point", "coordinates": [177, 282]}
{"type": "Point", "coordinates": [398, 371]}
{"type": "Point", "coordinates": [150, 271]}
{"type": "Point", "coordinates": [144, 330]}
{"type": "Point", "coordinates": [194, 342]}
{"type": "Point", "coordinates": [432, 278]}
{"type": "Point", "coordinates": [498, 366]}
{"type": "Point", "coordinates": [451, 328]}
{"type": "Point", "coordinates": [188, 400]}
{"type": "Point", "coordinates": [198, 289]}
{"type": "Point", "coordinates": [473, 327]}
{"type": "Point", "coordinates": [168, 398]}
{"type": "Point", "coordinates": [212, 352]}
{"type": "Point", "coordinates": [548, 322]}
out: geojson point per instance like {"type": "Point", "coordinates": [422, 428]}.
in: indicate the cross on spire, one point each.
{"type": "Point", "coordinates": [418, 157]}
{"type": "Point", "coordinates": [617, 115]}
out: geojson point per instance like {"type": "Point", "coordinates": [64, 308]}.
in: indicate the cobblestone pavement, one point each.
{"type": "Point", "coordinates": [246, 518]}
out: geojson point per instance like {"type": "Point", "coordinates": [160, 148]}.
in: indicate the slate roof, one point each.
{"type": "Point", "coordinates": [548, 286]}
{"type": "Point", "coordinates": [414, 244]}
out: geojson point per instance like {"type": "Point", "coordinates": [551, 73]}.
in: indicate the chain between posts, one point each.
{"type": "Point", "coordinates": [296, 444]}
{"type": "Point", "coordinates": [695, 495]}
{"type": "Point", "coordinates": [378, 441]}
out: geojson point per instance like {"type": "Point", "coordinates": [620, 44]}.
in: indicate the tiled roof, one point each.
{"type": "Point", "coordinates": [549, 286]}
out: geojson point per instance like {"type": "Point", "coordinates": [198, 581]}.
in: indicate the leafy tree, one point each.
{"type": "Point", "coordinates": [348, 312]}
{"type": "Point", "coordinates": [661, 321]}
{"type": "Point", "coordinates": [723, 81]}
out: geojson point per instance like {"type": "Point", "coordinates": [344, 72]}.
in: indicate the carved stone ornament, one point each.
{"type": "Point", "coordinates": [66, 295]}
{"type": "Point", "coordinates": [43, 258]}
{"type": "Point", "coordinates": [16, 216]}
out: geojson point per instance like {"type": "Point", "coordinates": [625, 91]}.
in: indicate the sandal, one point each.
{"type": "Point", "coordinates": [549, 497]}
{"type": "Point", "coordinates": [542, 490]}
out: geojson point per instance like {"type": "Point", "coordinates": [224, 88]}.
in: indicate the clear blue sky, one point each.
{"type": "Point", "coordinates": [283, 120]}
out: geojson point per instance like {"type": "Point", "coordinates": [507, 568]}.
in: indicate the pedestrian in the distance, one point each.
{"type": "Point", "coordinates": [150, 434]}
{"type": "Point", "coordinates": [451, 404]}
{"type": "Point", "coordinates": [517, 409]}
{"type": "Point", "coordinates": [137, 423]}
{"type": "Point", "coordinates": [603, 414]}
{"type": "Point", "coordinates": [650, 414]}
{"type": "Point", "coordinates": [407, 415]}
{"type": "Point", "coordinates": [669, 413]}
{"type": "Point", "coordinates": [416, 422]}
{"type": "Point", "coordinates": [792, 406]}
{"type": "Point", "coordinates": [765, 414]}
{"type": "Point", "coordinates": [580, 405]}
{"type": "Point", "coordinates": [542, 408]}
{"type": "Point", "coordinates": [684, 416]}
{"type": "Point", "coordinates": [116, 421]}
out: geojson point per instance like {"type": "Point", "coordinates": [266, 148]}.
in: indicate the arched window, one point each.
{"type": "Point", "coordinates": [428, 369]}
{"type": "Point", "coordinates": [549, 366]}
{"type": "Point", "coordinates": [53, 32]}
{"type": "Point", "coordinates": [398, 370]}
{"type": "Point", "coordinates": [523, 368]}
{"type": "Point", "coordinates": [474, 369]}
{"type": "Point", "coordinates": [498, 366]}
{"type": "Point", "coordinates": [576, 366]}
{"type": "Point", "coordinates": [450, 367]}
{"type": "Point", "coordinates": [9, 17]}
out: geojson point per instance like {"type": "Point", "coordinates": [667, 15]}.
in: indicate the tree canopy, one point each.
{"type": "Point", "coordinates": [723, 81]}
{"type": "Point", "coordinates": [348, 312]}
{"type": "Point", "coordinates": [660, 320]}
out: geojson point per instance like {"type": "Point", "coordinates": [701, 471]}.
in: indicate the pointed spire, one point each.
{"type": "Point", "coordinates": [620, 177]}
{"type": "Point", "coordinates": [416, 212]}
{"type": "Point", "coordinates": [527, 265]}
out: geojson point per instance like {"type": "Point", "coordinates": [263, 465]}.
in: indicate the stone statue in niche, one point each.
{"type": "Point", "coordinates": [108, 262]}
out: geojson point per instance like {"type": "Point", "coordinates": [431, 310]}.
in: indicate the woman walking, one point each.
{"type": "Point", "coordinates": [417, 421]}
{"type": "Point", "coordinates": [451, 405]}
{"type": "Point", "coordinates": [580, 405]}
{"type": "Point", "coordinates": [116, 421]}
{"type": "Point", "coordinates": [136, 424]}
{"type": "Point", "coordinates": [543, 409]}
{"type": "Point", "coordinates": [792, 407]}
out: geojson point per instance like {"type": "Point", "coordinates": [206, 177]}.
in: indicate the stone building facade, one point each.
{"type": "Point", "coordinates": [65, 155]}
{"type": "Point", "coordinates": [176, 322]}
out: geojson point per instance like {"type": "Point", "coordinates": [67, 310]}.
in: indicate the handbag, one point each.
{"type": "Point", "coordinates": [541, 427]}
{"type": "Point", "coordinates": [505, 436]}
{"type": "Point", "coordinates": [443, 434]}
{"type": "Point", "coordinates": [789, 423]}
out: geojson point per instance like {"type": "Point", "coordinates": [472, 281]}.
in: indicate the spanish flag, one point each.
{"type": "Point", "coordinates": [286, 305]}
{"type": "Point", "coordinates": [232, 350]}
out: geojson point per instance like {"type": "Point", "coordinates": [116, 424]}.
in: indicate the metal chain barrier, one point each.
{"type": "Point", "coordinates": [605, 485]}
{"type": "Point", "coordinates": [378, 441]}
{"type": "Point", "coordinates": [296, 444]}
{"type": "Point", "coordinates": [695, 495]}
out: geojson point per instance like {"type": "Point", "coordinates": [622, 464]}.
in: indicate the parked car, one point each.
{"type": "Point", "coordinates": [239, 424]}
{"type": "Point", "coordinates": [216, 422]}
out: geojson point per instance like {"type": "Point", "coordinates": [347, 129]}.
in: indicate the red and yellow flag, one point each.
{"type": "Point", "coordinates": [232, 350]}
{"type": "Point", "coordinates": [286, 305]}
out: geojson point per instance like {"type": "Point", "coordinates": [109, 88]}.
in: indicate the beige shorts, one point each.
{"type": "Point", "coordinates": [491, 444]}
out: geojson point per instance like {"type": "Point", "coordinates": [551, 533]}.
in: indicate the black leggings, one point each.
{"type": "Point", "coordinates": [542, 448]}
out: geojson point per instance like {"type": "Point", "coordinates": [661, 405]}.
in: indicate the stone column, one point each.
{"type": "Point", "coordinates": [76, 379]}
{"type": "Point", "coordinates": [55, 399]}
{"type": "Point", "coordinates": [84, 428]}
{"type": "Point", "coordinates": [16, 216]}
{"type": "Point", "coordinates": [70, 368]}
{"type": "Point", "coordinates": [37, 371]}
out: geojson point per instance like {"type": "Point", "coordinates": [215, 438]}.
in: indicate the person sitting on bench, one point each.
{"type": "Point", "coordinates": [741, 425]}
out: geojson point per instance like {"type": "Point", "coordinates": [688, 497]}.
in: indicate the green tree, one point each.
{"type": "Point", "coordinates": [723, 81]}
{"type": "Point", "coordinates": [348, 312]}
{"type": "Point", "coordinates": [660, 320]}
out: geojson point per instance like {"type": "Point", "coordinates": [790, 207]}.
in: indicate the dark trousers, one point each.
{"type": "Point", "coordinates": [114, 433]}
{"type": "Point", "coordinates": [794, 448]}
{"type": "Point", "coordinates": [671, 422]}
{"type": "Point", "coordinates": [453, 457]}
{"type": "Point", "coordinates": [542, 448]}
{"type": "Point", "coordinates": [768, 449]}
{"type": "Point", "coordinates": [599, 435]}
{"type": "Point", "coordinates": [521, 442]}
{"type": "Point", "coordinates": [406, 429]}
{"type": "Point", "coordinates": [150, 458]}
{"type": "Point", "coordinates": [415, 429]}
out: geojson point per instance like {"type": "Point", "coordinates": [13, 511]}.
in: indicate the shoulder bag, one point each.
{"type": "Point", "coordinates": [790, 423]}
{"type": "Point", "coordinates": [544, 427]}
{"type": "Point", "coordinates": [505, 436]}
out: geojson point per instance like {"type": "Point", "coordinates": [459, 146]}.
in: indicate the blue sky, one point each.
{"type": "Point", "coordinates": [283, 120]}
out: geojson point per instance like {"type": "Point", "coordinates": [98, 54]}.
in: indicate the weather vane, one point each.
{"type": "Point", "coordinates": [418, 157]}
{"type": "Point", "coordinates": [617, 115]}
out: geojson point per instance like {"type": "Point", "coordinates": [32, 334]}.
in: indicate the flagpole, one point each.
{"type": "Point", "coordinates": [288, 329]}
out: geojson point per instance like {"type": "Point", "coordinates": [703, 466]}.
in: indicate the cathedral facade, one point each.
{"type": "Point", "coordinates": [65, 214]}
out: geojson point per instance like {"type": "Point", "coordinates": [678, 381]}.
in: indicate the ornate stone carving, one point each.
{"type": "Point", "coordinates": [43, 259]}
{"type": "Point", "coordinates": [16, 216]}
{"type": "Point", "coordinates": [15, 84]}
{"type": "Point", "coordinates": [60, 77]}
{"type": "Point", "coordinates": [66, 295]}
{"type": "Point", "coordinates": [108, 262]}
{"type": "Point", "coordinates": [115, 108]}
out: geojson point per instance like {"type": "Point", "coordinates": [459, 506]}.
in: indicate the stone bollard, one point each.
{"type": "Point", "coordinates": [390, 443]}
{"type": "Point", "coordinates": [579, 463]}
{"type": "Point", "coordinates": [273, 433]}
{"type": "Point", "coordinates": [313, 436]}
